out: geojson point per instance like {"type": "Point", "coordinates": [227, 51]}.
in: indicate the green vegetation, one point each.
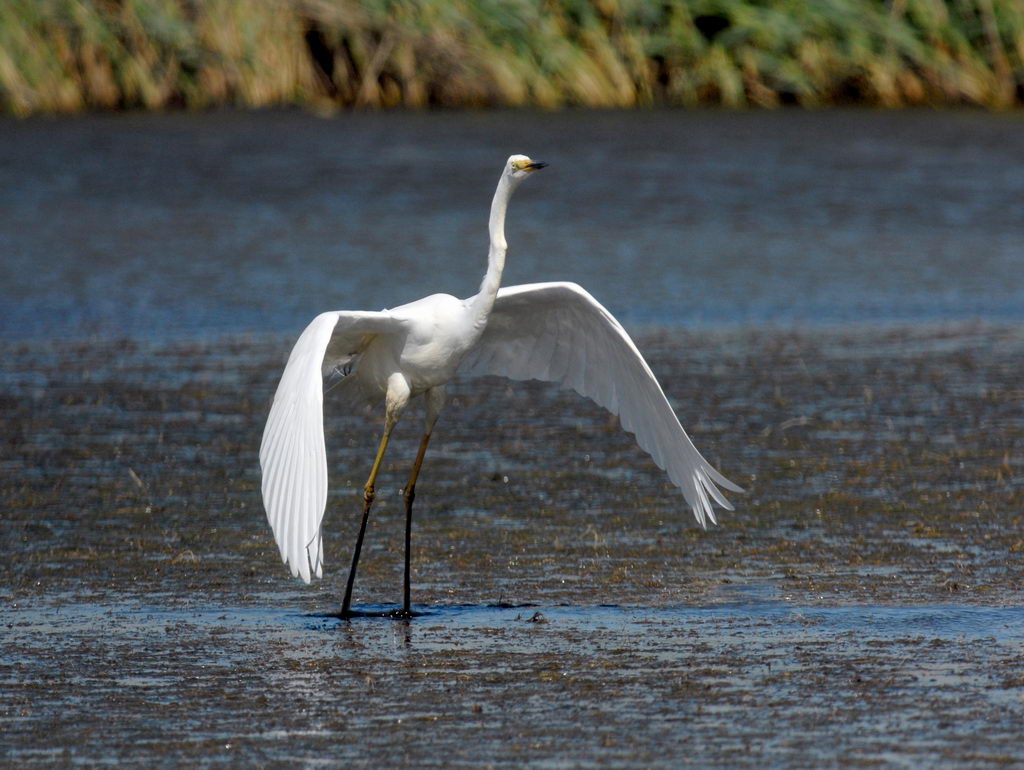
{"type": "Point", "coordinates": [71, 55]}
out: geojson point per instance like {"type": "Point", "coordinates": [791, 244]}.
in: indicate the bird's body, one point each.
{"type": "Point", "coordinates": [547, 331]}
{"type": "Point", "coordinates": [432, 335]}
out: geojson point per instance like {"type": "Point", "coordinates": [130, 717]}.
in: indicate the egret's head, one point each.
{"type": "Point", "coordinates": [519, 167]}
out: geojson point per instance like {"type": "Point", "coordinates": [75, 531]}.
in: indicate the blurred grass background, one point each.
{"type": "Point", "coordinates": [73, 55]}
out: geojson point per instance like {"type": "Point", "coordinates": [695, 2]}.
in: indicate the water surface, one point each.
{"type": "Point", "coordinates": [185, 225]}
{"type": "Point", "coordinates": [832, 302]}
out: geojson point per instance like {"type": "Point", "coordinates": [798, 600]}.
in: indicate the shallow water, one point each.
{"type": "Point", "coordinates": [825, 342]}
{"type": "Point", "coordinates": [862, 606]}
{"type": "Point", "coordinates": [183, 225]}
{"type": "Point", "coordinates": [747, 684]}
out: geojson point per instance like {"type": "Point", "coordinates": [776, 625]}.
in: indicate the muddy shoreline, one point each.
{"type": "Point", "coordinates": [860, 607]}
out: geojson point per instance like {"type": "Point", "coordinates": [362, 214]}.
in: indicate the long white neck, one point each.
{"type": "Point", "coordinates": [484, 300]}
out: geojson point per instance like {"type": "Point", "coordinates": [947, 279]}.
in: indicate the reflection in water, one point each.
{"type": "Point", "coordinates": [196, 225]}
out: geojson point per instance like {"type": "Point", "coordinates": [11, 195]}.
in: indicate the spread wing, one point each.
{"type": "Point", "coordinates": [292, 454]}
{"type": "Point", "coordinates": [559, 333]}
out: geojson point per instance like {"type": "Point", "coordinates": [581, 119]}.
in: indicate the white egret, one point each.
{"type": "Point", "coordinates": [546, 331]}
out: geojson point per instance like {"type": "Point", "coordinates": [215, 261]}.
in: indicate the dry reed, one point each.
{"type": "Point", "coordinates": [72, 55]}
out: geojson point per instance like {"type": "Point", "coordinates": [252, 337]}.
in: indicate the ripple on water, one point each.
{"type": "Point", "coordinates": [454, 672]}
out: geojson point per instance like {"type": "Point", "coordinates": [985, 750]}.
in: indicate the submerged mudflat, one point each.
{"type": "Point", "coordinates": [863, 604]}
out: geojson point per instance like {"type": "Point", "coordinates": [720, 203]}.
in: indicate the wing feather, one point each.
{"type": "Point", "coordinates": [558, 332]}
{"type": "Point", "coordinates": [293, 457]}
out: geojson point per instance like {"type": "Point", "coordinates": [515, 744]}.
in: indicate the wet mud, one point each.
{"type": "Point", "coordinates": [862, 607]}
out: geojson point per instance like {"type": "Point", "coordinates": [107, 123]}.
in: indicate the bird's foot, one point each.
{"type": "Point", "coordinates": [399, 613]}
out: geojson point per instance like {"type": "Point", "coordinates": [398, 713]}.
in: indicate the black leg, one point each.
{"type": "Point", "coordinates": [410, 495]}
{"type": "Point", "coordinates": [368, 496]}
{"type": "Point", "coordinates": [347, 603]}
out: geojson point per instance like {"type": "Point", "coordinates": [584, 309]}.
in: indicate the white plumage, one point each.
{"type": "Point", "coordinates": [557, 332]}
{"type": "Point", "coordinates": [546, 331]}
{"type": "Point", "coordinates": [293, 455]}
